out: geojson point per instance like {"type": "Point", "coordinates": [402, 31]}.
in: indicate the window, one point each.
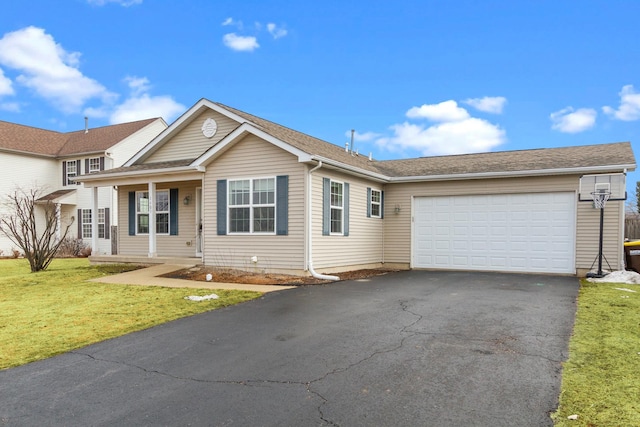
{"type": "Point", "coordinates": [162, 212]}
{"type": "Point", "coordinates": [101, 223]}
{"type": "Point", "coordinates": [336, 207]}
{"type": "Point", "coordinates": [252, 206]}
{"type": "Point", "coordinates": [86, 223]}
{"type": "Point", "coordinates": [94, 165]}
{"type": "Point", "coordinates": [72, 171]}
{"type": "Point", "coordinates": [376, 199]}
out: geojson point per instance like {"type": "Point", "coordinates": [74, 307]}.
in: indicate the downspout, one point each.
{"type": "Point", "coordinates": [310, 229]}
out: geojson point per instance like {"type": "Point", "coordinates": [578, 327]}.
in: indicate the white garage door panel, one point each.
{"type": "Point", "coordinates": [504, 232]}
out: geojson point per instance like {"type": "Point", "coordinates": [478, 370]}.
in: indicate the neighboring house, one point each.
{"type": "Point", "coordinates": [227, 188]}
{"type": "Point", "coordinates": [32, 158]}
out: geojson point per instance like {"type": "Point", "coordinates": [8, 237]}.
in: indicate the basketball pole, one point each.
{"type": "Point", "coordinates": [600, 199]}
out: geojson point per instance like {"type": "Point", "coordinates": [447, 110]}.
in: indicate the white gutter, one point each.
{"type": "Point", "coordinates": [310, 229]}
{"type": "Point", "coordinates": [354, 169]}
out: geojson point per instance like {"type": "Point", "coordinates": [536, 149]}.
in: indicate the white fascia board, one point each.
{"type": "Point", "coordinates": [515, 174]}
{"type": "Point", "coordinates": [352, 170]}
{"type": "Point", "coordinates": [156, 175]}
{"type": "Point", "coordinates": [238, 134]}
{"type": "Point", "coordinates": [179, 124]}
{"type": "Point", "coordinates": [27, 153]}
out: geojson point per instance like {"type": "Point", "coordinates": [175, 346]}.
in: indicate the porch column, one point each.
{"type": "Point", "coordinates": [152, 220]}
{"type": "Point", "coordinates": [94, 220]}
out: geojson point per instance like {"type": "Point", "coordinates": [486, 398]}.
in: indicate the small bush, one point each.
{"type": "Point", "coordinates": [15, 254]}
{"type": "Point", "coordinates": [73, 248]}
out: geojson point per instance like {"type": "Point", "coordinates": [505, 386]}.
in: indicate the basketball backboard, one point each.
{"type": "Point", "coordinates": [614, 183]}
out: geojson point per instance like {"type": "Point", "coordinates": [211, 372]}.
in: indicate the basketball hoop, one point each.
{"type": "Point", "coordinates": [600, 198]}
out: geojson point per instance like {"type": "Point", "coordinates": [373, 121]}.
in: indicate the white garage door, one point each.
{"type": "Point", "coordinates": [533, 232]}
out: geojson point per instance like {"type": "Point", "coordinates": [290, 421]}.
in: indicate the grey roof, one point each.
{"type": "Point", "coordinates": [585, 156]}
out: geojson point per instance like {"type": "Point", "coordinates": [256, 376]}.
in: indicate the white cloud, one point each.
{"type": "Point", "coordinates": [276, 31]}
{"type": "Point", "coordinates": [447, 111]}
{"type": "Point", "coordinates": [488, 104]}
{"type": "Point", "coordinates": [240, 43]}
{"type": "Point", "coordinates": [569, 120]}
{"type": "Point", "coordinates": [6, 85]}
{"type": "Point", "coordinates": [228, 21]}
{"type": "Point", "coordinates": [144, 107]}
{"type": "Point", "coordinates": [125, 3]}
{"type": "Point", "coordinates": [629, 109]}
{"type": "Point", "coordinates": [454, 132]}
{"type": "Point", "coordinates": [48, 69]}
{"type": "Point", "coordinates": [470, 135]}
{"type": "Point", "coordinates": [138, 85]}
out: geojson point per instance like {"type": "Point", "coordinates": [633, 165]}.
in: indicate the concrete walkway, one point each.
{"type": "Point", "coordinates": [148, 277]}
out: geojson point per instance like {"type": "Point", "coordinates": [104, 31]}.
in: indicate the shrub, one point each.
{"type": "Point", "coordinates": [73, 248]}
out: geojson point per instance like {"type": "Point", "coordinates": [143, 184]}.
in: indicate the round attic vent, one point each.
{"type": "Point", "coordinates": [209, 127]}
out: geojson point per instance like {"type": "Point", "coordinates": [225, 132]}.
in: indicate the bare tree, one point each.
{"type": "Point", "coordinates": [38, 239]}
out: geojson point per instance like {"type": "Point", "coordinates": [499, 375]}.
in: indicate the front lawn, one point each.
{"type": "Point", "coordinates": [50, 312]}
{"type": "Point", "coordinates": [601, 379]}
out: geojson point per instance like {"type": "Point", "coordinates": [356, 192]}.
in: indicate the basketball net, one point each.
{"type": "Point", "coordinates": [600, 198]}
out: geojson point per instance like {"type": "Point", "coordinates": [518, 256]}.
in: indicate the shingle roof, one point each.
{"type": "Point", "coordinates": [306, 143]}
{"type": "Point", "coordinates": [147, 166]}
{"type": "Point", "coordinates": [50, 143]}
{"type": "Point", "coordinates": [512, 161]}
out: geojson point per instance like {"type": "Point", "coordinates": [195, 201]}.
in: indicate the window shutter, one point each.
{"type": "Point", "coordinates": [222, 207]}
{"type": "Point", "coordinates": [326, 206]}
{"type": "Point", "coordinates": [173, 212]}
{"type": "Point", "coordinates": [368, 202]}
{"type": "Point", "coordinates": [381, 204]}
{"type": "Point", "coordinates": [86, 166]}
{"type": "Point", "coordinates": [101, 163]}
{"type": "Point", "coordinates": [78, 163]}
{"type": "Point", "coordinates": [282, 205]}
{"type": "Point", "coordinates": [345, 198]}
{"type": "Point", "coordinates": [107, 223]}
{"type": "Point", "coordinates": [79, 224]}
{"type": "Point", "coordinates": [132, 213]}
{"type": "Point", "coordinates": [64, 174]}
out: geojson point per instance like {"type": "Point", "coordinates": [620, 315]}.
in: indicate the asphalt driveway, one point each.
{"type": "Point", "coordinates": [405, 349]}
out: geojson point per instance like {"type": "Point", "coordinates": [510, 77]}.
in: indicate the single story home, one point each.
{"type": "Point", "coordinates": [226, 188]}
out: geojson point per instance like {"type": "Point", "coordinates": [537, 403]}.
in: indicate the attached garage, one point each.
{"type": "Point", "coordinates": [526, 232]}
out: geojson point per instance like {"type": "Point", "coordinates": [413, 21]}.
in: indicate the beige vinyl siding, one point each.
{"type": "Point", "coordinates": [254, 158]}
{"type": "Point", "coordinates": [397, 226]}
{"type": "Point", "coordinates": [182, 245]}
{"type": "Point", "coordinates": [190, 142]}
{"type": "Point", "coordinates": [364, 244]}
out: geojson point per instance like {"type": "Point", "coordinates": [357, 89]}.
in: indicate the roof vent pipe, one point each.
{"type": "Point", "coordinates": [352, 132]}
{"type": "Point", "coordinates": [346, 147]}
{"type": "Point", "coordinates": [86, 124]}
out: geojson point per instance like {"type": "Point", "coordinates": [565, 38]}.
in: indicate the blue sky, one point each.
{"type": "Point", "coordinates": [413, 78]}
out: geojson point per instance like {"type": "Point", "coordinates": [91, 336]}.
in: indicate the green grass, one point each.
{"type": "Point", "coordinates": [601, 379]}
{"type": "Point", "coordinates": [50, 312]}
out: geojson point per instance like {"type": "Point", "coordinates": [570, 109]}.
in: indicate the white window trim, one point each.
{"type": "Point", "coordinates": [91, 168]}
{"type": "Point", "coordinates": [88, 234]}
{"type": "Point", "coordinates": [340, 208]}
{"type": "Point", "coordinates": [378, 203]}
{"type": "Point", "coordinates": [70, 178]}
{"type": "Point", "coordinates": [251, 206]}
{"type": "Point", "coordinates": [101, 220]}
{"type": "Point", "coordinates": [168, 211]}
